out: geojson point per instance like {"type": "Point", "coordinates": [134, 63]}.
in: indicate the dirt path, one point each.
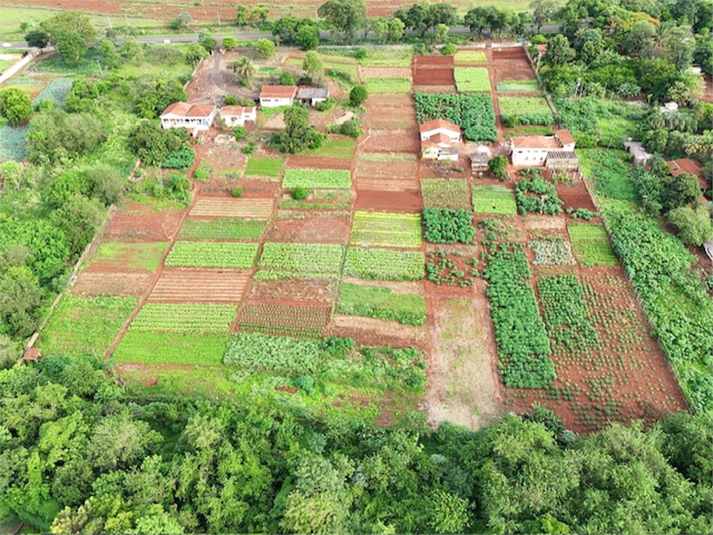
{"type": "Point", "coordinates": [464, 388]}
{"type": "Point", "coordinates": [493, 90]}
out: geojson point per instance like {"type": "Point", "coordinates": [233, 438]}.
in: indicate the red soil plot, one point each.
{"type": "Point", "coordinates": [392, 141]}
{"type": "Point", "coordinates": [433, 89]}
{"type": "Point", "coordinates": [253, 188]}
{"type": "Point", "coordinates": [384, 72]}
{"type": "Point", "coordinates": [322, 291]}
{"type": "Point", "coordinates": [313, 229]}
{"type": "Point", "coordinates": [391, 117]}
{"type": "Point", "coordinates": [315, 162]}
{"type": "Point", "coordinates": [511, 64]}
{"type": "Point", "coordinates": [142, 222]}
{"type": "Point", "coordinates": [575, 195]}
{"type": "Point", "coordinates": [392, 169]}
{"type": "Point", "coordinates": [238, 208]}
{"type": "Point", "coordinates": [200, 286]}
{"type": "Point", "coordinates": [386, 99]}
{"type": "Point", "coordinates": [284, 319]}
{"type": "Point", "coordinates": [432, 62]}
{"type": "Point", "coordinates": [432, 76]}
{"type": "Point", "coordinates": [409, 202]}
{"type": "Point", "coordinates": [91, 284]}
{"type": "Point", "coordinates": [375, 332]}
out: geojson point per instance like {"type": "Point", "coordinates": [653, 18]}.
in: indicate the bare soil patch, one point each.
{"type": "Point", "coordinates": [426, 62]}
{"type": "Point", "coordinates": [399, 287]}
{"type": "Point", "coordinates": [433, 76]}
{"type": "Point", "coordinates": [575, 195]}
{"type": "Point", "coordinates": [447, 89]}
{"type": "Point", "coordinates": [395, 201]}
{"type": "Point", "coordinates": [387, 184]}
{"type": "Point", "coordinates": [298, 290]}
{"type": "Point", "coordinates": [391, 141]}
{"type": "Point", "coordinates": [253, 188]}
{"type": "Point", "coordinates": [544, 222]}
{"type": "Point", "coordinates": [392, 118]}
{"type": "Point", "coordinates": [384, 72]}
{"type": "Point", "coordinates": [143, 222]}
{"type": "Point", "coordinates": [385, 99]}
{"type": "Point", "coordinates": [91, 284]}
{"type": "Point", "coordinates": [394, 169]}
{"type": "Point", "coordinates": [200, 286]}
{"type": "Point", "coordinates": [313, 229]}
{"type": "Point", "coordinates": [370, 331]}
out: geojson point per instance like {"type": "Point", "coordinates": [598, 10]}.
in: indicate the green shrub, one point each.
{"type": "Point", "coordinates": [537, 196]}
{"type": "Point", "coordinates": [358, 95]}
{"type": "Point", "coordinates": [239, 133]}
{"type": "Point", "coordinates": [299, 193]}
{"type": "Point", "coordinates": [237, 192]}
{"type": "Point", "coordinates": [443, 225]}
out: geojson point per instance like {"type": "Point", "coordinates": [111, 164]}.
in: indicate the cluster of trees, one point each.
{"type": "Point", "coordinates": [626, 47]}
{"type": "Point", "coordinates": [83, 455]}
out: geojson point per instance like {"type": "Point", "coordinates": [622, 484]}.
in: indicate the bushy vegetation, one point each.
{"type": "Point", "coordinates": [212, 254]}
{"type": "Point", "coordinates": [515, 111]}
{"type": "Point", "coordinates": [473, 113]}
{"type": "Point", "coordinates": [538, 196]}
{"type": "Point", "coordinates": [382, 303]}
{"type": "Point", "coordinates": [443, 225]}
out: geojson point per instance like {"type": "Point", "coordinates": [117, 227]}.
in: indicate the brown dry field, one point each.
{"type": "Point", "coordinates": [316, 228]}
{"type": "Point", "coordinates": [385, 99]}
{"type": "Point", "coordinates": [575, 196]}
{"type": "Point", "coordinates": [393, 201]}
{"type": "Point", "coordinates": [143, 222]}
{"type": "Point", "coordinates": [92, 284]}
{"type": "Point", "coordinates": [391, 118]}
{"type": "Point", "coordinates": [384, 72]}
{"type": "Point", "coordinates": [200, 286]}
{"type": "Point", "coordinates": [316, 162]}
{"type": "Point", "coordinates": [300, 290]}
{"type": "Point", "coordinates": [432, 62]}
{"type": "Point", "coordinates": [370, 331]}
{"type": "Point", "coordinates": [433, 76]}
{"type": "Point", "coordinates": [391, 141]}
{"type": "Point", "coordinates": [213, 207]}
{"type": "Point", "coordinates": [391, 170]}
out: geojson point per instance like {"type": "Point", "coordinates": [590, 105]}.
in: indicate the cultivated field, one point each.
{"type": "Point", "coordinates": [345, 301]}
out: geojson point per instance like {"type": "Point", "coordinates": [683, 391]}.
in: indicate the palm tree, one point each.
{"type": "Point", "coordinates": [245, 70]}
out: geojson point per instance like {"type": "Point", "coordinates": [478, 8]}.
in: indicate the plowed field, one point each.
{"type": "Point", "coordinates": [395, 201]}
{"type": "Point", "coordinates": [298, 290]}
{"type": "Point", "coordinates": [141, 222]}
{"type": "Point", "coordinates": [90, 284]}
{"type": "Point", "coordinates": [200, 286]}
{"type": "Point", "coordinates": [284, 319]}
{"type": "Point", "coordinates": [315, 229]}
{"type": "Point", "coordinates": [391, 141]}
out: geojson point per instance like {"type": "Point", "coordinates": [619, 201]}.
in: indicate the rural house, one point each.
{"type": "Point", "coordinates": [533, 151]}
{"type": "Point", "coordinates": [238, 115]}
{"type": "Point", "coordinates": [312, 95]}
{"type": "Point", "coordinates": [440, 140]}
{"type": "Point", "coordinates": [639, 156]}
{"type": "Point", "coordinates": [194, 117]}
{"type": "Point", "coordinates": [274, 96]}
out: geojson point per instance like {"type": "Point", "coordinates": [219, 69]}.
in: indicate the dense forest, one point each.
{"type": "Point", "coordinates": [81, 454]}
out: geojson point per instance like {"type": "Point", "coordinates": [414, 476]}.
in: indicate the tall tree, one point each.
{"type": "Point", "coordinates": [15, 105]}
{"type": "Point", "coordinates": [542, 11]}
{"type": "Point", "coordinates": [345, 16]}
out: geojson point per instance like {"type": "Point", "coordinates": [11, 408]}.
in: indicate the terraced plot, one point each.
{"type": "Point", "coordinates": [386, 230]}
{"type": "Point", "coordinates": [200, 286]}
{"type": "Point", "coordinates": [317, 178]}
{"type": "Point", "coordinates": [217, 207]}
{"type": "Point", "coordinates": [445, 193]}
{"type": "Point", "coordinates": [222, 229]}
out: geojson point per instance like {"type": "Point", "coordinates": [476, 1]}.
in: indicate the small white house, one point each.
{"type": "Point", "coordinates": [532, 151]}
{"type": "Point", "coordinates": [274, 96]}
{"type": "Point", "coordinates": [238, 115]}
{"type": "Point", "coordinates": [312, 95]}
{"type": "Point", "coordinates": [194, 117]}
{"type": "Point", "coordinates": [439, 126]}
{"type": "Point", "coordinates": [440, 147]}
{"type": "Point", "coordinates": [668, 107]}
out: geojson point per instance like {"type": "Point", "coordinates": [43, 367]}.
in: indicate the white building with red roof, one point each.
{"type": "Point", "coordinates": [194, 117]}
{"type": "Point", "coordinates": [533, 151]}
{"type": "Point", "coordinates": [440, 140]}
{"type": "Point", "coordinates": [238, 115]}
{"type": "Point", "coordinates": [274, 96]}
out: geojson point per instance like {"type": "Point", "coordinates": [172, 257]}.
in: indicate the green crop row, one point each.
{"type": "Point", "coordinates": [212, 254]}
{"type": "Point", "coordinates": [473, 113]}
{"type": "Point", "coordinates": [443, 225]}
{"type": "Point", "coordinates": [566, 315]}
{"type": "Point", "coordinates": [386, 230]}
{"type": "Point", "coordinates": [494, 200]}
{"type": "Point", "coordinates": [445, 193]}
{"type": "Point", "coordinates": [264, 166]}
{"type": "Point", "coordinates": [381, 303]}
{"type": "Point", "coordinates": [317, 179]}
{"type": "Point", "coordinates": [464, 57]}
{"type": "Point", "coordinates": [147, 347]}
{"type": "Point", "coordinates": [388, 85]}
{"type": "Point", "coordinates": [302, 258]}
{"type": "Point", "coordinates": [186, 318]}
{"type": "Point", "coordinates": [223, 229]}
{"type": "Point", "coordinates": [383, 264]}
{"type": "Point", "coordinates": [518, 86]}
{"type": "Point", "coordinates": [591, 244]}
{"type": "Point", "coordinates": [523, 345]}
{"type": "Point", "coordinates": [472, 79]}
{"type": "Point", "coordinates": [538, 196]}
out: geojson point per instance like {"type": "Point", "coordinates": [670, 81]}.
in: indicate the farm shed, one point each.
{"type": "Point", "coordinates": [312, 95]}
{"type": "Point", "coordinates": [562, 160]}
{"type": "Point", "coordinates": [274, 96]}
{"type": "Point", "coordinates": [639, 156]}
{"type": "Point", "coordinates": [440, 147]}
{"type": "Point", "coordinates": [238, 115]}
{"type": "Point", "coordinates": [194, 117]}
{"type": "Point", "coordinates": [479, 159]}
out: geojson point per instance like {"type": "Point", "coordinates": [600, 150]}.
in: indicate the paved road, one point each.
{"type": "Point", "coordinates": [190, 38]}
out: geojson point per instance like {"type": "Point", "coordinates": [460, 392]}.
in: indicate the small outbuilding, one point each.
{"type": "Point", "coordinates": [639, 156]}
{"type": "Point", "coordinates": [312, 95]}
{"type": "Point", "coordinates": [274, 96]}
{"type": "Point", "coordinates": [238, 115]}
{"type": "Point", "coordinates": [479, 159]}
{"type": "Point", "coordinates": [562, 161]}
{"type": "Point", "coordinates": [440, 147]}
{"type": "Point", "coordinates": [686, 165]}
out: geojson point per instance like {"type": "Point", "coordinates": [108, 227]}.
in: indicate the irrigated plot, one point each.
{"type": "Point", "coordinates": [132, 256]}
{"type": "Point", "coordinates": [222, 229]}
{"type": "Point", "coordinates": [381, 303]}
{"type": "Point", "coordinates": [591, 244]}
{"type": "Point", "coordinates": [212, 254]}
{"type": "Point", "coordinates": [218, 207]}
{"type": "Point", "coordinates": [397, 200]}
{"type": "Point", "coordinates": [384, 264]}
{"type": "Point", "coordinates": [200, 286]}
{"type": "Point", "coordinates": [472, 79]}
{"type": "Point", "coordinates": [445, 193]}
{"type": "Point", "coordinates": [527, 110]}
{"type": "Point", "coordinates": [317, 179]}
{"type": "Point", "coordinates": [264, 166]}
{"type": "Point", "coordinates": [386, 230]}
{"type": "Point", "coordinates": [184, 318]}
{"type": "Point", "coordinates": [303, 258]}
{"type": "Point", "coordinates": [494, 200]}
{"type": "Point", "coordinates": [84, 326]}
{"type": "Point", "coordinates": [434, 76]}
{"type": "Point", "coordinates": [205, 349]}
{"type": "Point", "coordinates": [284, 319]}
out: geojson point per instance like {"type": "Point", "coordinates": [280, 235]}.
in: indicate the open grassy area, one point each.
{"type": "Point", "coordinates": [470, 57]}
{"type": "Point", "coordinates": [336, 147]}
{"type": "Point", "coordinates": [171, 348]}
{"type": "Point", "coordinates": [518, 86]}
{"type": "Point", "coordinates": [84, 326]}
{"type": "Point", "coordinates": [472, 79]}
{"type": "Point", "coordinates": [494, 200]}
{"type": "Point", "coordinates": [143, 256]}
{"type": "Point", "coordinates": [388, 85]}
{"type": "Point", "coordinates": [264, 166]}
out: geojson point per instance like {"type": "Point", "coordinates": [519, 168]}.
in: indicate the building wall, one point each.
{"type": "Point", "coordinates": [429, 134]}
{"type": "Point", "coordinates": [275, 102]}
{"type": "Point", "coordinates": [529, 157]}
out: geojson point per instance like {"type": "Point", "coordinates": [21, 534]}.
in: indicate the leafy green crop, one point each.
{"type": "Point", "coordinates": [302, 257]}
{"type": "Point", "coordinates": [222, 229]}
{"type": "Point", "coordinates": [525, 110]}
{"type": "Point", "coordinates": [212, 254]}
{"type": "Point", "coordinates": [538, 196]}
{"type": "Point", "coordinates": [317, 179]}
{"type": "Point", "coordinates": [473, 113]}
{"type": "Point", "coordinates": [382, 264]}
{"type": "Point", "coordinates": [443, 225]}
{"type": "Point", "coordinates": [386, 230]}
{"type": "Point", "coordinates": [188, 318]}
{"type": "Point", "coordinates": [591, 244]}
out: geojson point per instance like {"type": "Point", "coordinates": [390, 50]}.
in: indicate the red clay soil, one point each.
{"type": "Point", "coordinates": [141, 222]}
{"type": "Point", "coordinates": [386, 99]}
{"type": "Point", "coordinates": [433, 62]}
{"type": "Point", "coordinates": [252, 188]}
{"type": "Point", "coordinates": [301, 290]}
{"type": "Point", "coordinates": [313, 229]}
{"type": "Point", "coordinates": [315, 162]}
{"type": "Point", "coordinates": [392, 117]}
{"type": "Point", "coordinates": [575, 196]}
{"type": "Point", "coordinates": [432, 169]}
{"type": "Point", "coordinates": [393, 169]}
{"type": "Point", "coordinates": [391, 141]}
{"type": "Point", "coordinates": [409, 202]}
{"type": "Point", "coordinates": [433, 89]}
{"type": "Point", "coordinates": [91, 284]}
{"type": "Point", "coordinates": [367, 73]}
{"type": "Point", "coordinates": [374, 332]}
{"type": "Point", "coordinates": [433, 76]}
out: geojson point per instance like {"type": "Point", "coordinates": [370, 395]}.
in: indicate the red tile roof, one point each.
{"type": "Point", "coordinates": [236, 111]}
{"type": "Point", "coordinates": [437, 139]}
{"type": "Point", "coordinates": [439, 123]}
{"type": "Point", "coordinates": [177, 108]}
{"type": "Point", "coordinates": [181, 109]}
{"type": "Point", "coordinates": [535, 142]}
{"type": "Point", "coordinates": [200, 110]}
{"type": "Point", "coordinates": [278, 91]}
{"type": "Point", "coordinates": [685, 165]}
{"type": "Point", "coordinates": [564, 136]}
